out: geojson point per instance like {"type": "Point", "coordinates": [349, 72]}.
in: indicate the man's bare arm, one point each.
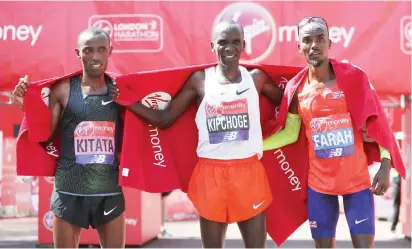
{"type": "Point", "coordinates": [266, 86]}
{"type": "Point", "coordinates": [179, 104]}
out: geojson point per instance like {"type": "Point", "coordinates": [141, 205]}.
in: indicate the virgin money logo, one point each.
{"type": "Point", "coordinates": [213, 110]}
{"type": "Point", "coordinates": [259, 28]}
{"type": "Point", "coordinates": [105, 25]}
{"type": "Point", "coordinates": [45, 94]}
{"type": "Point", "coordinates": [283, 82]}
{"type": "Point", "coordinates": [21, 33]}
{"type": "Point", "coordinates": [406, 34]}
{"type": "Point", "coordinates": [318, 125]}
{"type": "Point", "coordinates": [262, 33]}
{"type": "Point", "coordinates": [49, 179]}
{"type": "Point", "coordinates": [48, 220]}
{"type": "Point", "coordinates": [85, 129]}
{"type": "Point", "coordinates": [157, 100]}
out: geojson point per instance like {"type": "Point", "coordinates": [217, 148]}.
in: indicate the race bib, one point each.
{"type": "Point", "coordinates": [227, 121]}
{"type": "Point", "coordinates": [332, 136]}
{"type": "Point", "coordinates": [94, 142]}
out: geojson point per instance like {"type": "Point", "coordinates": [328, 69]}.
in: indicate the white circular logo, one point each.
{"type": "Point", "coordinates": [319, 125]}
{"type": "Point", "coordinates": [105, 25]}
{"type": "Point", "coordinates": [45, 93]}
{"type": "Point", "coordinates": [407, 30]}
{"type": "Point", "coordinates": [85, 129]}
{"type": "Point", "coordinates": [48, 220]}
{"type": "Point", "coordinates": [258, 25]}
{"type": "Point", "coordinates": [283, 82]}
{"type": "Point", "coordinates": [157, 100]}
{"type": "Point", "coordinates": [49, 179]}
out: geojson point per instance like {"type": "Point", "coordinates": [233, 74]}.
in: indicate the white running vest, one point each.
{"type": "Point", "coordinates": [228, 119]}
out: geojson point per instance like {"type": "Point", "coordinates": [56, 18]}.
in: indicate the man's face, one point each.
{"type": "Point", "coordinates": [228, 44]}
{"type": "Point", "coordinates": [314, 43]}
{"type": "Point", "coordinates": [94, 52]}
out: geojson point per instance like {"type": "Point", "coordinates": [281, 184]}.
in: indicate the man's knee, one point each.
{"type": "Point", "coordinates": [212, 233]}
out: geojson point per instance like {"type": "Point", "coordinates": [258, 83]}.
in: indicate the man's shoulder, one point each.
{"type": "Point", "coordinates": [350, 67]}
{"type": "Point", "coordinates": [64, 81]}
{"type": "Point", "coordinates": [197, 76]}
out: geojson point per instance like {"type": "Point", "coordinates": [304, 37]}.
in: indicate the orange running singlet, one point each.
{"type": "Point", "coordinates": [338, 163]}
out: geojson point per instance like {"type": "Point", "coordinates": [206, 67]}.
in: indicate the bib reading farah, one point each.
{"type": "Point", "coordinates": [332, 136]}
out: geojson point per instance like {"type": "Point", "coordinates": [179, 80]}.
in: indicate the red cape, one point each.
{"type": "Point", "coordinates": [157, 160]}
{"type": "Point", "coordinates": [363, 104]}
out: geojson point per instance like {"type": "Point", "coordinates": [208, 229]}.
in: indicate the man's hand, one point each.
{"type": "Point", "coordinates": [113, 90]}
{"type": "Point", "coordinates": [20, 90]}
{"type": "Point", "coordinates": [381, 181]}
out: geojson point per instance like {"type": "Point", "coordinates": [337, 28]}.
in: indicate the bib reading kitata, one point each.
{"type": "Point", "coordinates": [94, 142]}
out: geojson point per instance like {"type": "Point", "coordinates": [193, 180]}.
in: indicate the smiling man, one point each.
{"type": "Point", "coordinates": [229, 183]}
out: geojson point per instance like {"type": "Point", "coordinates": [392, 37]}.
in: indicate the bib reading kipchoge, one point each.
{"type": "Point", "coordinates": [227, 121]}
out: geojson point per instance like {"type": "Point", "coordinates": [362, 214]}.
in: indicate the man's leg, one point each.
{"type": "Point", "coordinates": [253, 231]}
{"type": "Point", "coordinates": [65, 235]}
{"type": "Point", "coordinates": [70, 215]}
{"type": "Point", "coordinates": [109, 220]}
{"type": "Point", "coordinates": [248, 198]}
{"type": "Point", "coordinates": [360, 215]}
{"type": "Point", "coordinates": [163, 232]}
{"type": "Point", "coordinates": [113, 234]}
{"type": "Point", "coordinates": [396, 206]}
{"type": "Point", "coordinates": [323, 212]}
{"type": "Point", "coordinates": [208, 192]}
{"type": "Point", "coordinates": [213, 233]}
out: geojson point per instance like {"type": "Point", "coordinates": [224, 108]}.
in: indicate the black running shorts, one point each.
{"type": "Point", "coordinates": [85, 211]}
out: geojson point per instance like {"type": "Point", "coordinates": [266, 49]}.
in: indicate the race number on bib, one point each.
{"type": "Point", "coordinates": [227, 121]}
{"type": "Point", "coordinates": [94, 142]}
{"type": "Point", "coordinates": [332, 136]}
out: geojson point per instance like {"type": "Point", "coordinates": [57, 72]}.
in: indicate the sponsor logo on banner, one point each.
{"type": "Point", "coordinates": [49, 179]}
{"type": "Point", "coordinates": [22, 33]}
{"type": "Point", "coordinates": [45, 95]}
{"type": "Point", "coordinates": [283, 82]}
{"type": "Point", "coordinates": [48, 220]}
{"type": "Point", "coordinates": [259, 27]}
{"type": "Point", "coordinates": [132, 33]}
{"type": "Point", "coordinates": [158, 101]}
{"type": "Point", "coordinates": [287, 169]}
{"type": "Point", "coordinates": [262, 32]}
{"type": "Point", "coordinates": [131, 222]}
{"type": "Point", "coordinates": [406, 34]}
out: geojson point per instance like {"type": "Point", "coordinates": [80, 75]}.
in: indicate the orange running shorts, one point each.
{"type": "Point", "coordinates": [229, 190]}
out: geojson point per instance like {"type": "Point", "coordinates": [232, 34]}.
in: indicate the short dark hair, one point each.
{"type": "Point", "coordinates": [95, 32]}
{"type": "Point", "coordinates": [229, 23]}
